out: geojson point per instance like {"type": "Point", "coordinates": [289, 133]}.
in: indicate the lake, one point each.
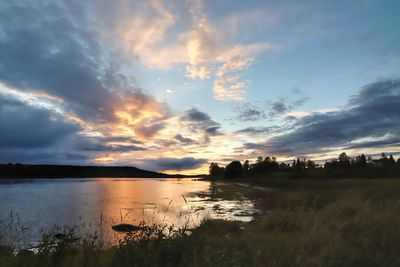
{"type": "Point", "coordinates": [28, 207]}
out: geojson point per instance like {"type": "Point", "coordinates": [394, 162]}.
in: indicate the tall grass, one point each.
{"type": "Point", "coordinates": [335, 223]}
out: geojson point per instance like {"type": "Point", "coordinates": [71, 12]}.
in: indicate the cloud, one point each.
{"type": "Point", "coordinates": [177, 164]}
{"type": "Point", "coordinates": [250, 112]}
{"type": "Point", "coordinates": [40, 156]}
{"type": "Point", "coordinates": [56, 55]}
{"type": "Point", "coordinates": [227, 85]}
{"type": "Point", "coordinates": [50, 53]}
{"type": "Point", "coordinates": [93, 146]}
{"type": "Point", "coordinates": [392, 141]}
{"type": "Point", "coordinates": [162, 37]}
{"type": "Point", "coordinates": [184, 140]}
{"type": "Point", "coordinates": [25, 126]}
{"type": "Point", "coordinates": [259, 130]}
{"type": "Point", "coordinates": [369, 115]}
{"type": "Point", "coordinates": [141, 27]}
{"type": "Point", "coordinates": [278, 108]}
{"type": "Point", "coordinates": [149, 130]}
{"type": "Point", "coordinates": [268, 110]}
{"type": "Point", "coordinates": [207, 45]}
{"type": "Point", "coordinates": [70, 82]}
{"type": "Point", "coordinates": [199, 121]}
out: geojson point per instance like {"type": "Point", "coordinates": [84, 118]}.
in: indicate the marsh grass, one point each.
{"type": "Point", "coordinates": [311, 223]}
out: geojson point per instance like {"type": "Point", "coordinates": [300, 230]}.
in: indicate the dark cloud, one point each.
{"type": "Point", "coordinates": [184, 140]}
{"type": "Point", "coordinates": [196, 115]}
{"type": "Point", "coordinates": [177, 164]}
{"type": "Point", "coordinates": [40, 156]}
{"type": "Point", "coordinates": [256, 130]}
{"type": "Point", "coordinates": [213, 130]}
{"type": "Point", "coordinates": [395, 141]}
{"type": "Point", "coordinates": [372, 113]}
{"type": "Point", "coordinates": [250, 112]}
{"type": "Point", "coordinates": [91, 146]}
{"type": "Point", "coordinates": [118, 139]}
{"type": "Point", "coordinates": [266, 110]}
{"type": "Point", "coordinates": [148, 131]}
{"type": "Point", "coordinates": [199, 121]}
{"type": "Point", "coordinates": [32, 134]}
{"type": "Point", "coordinates": [27, 126]}
{"type": "Point", "coordinates": [48, 52]}
{"type": "Point", "coordinates": [278, 108]}
{"type": "Point", "coordinates": [255, 146]}
{"type": "Point", "coordinates": [58, 47]}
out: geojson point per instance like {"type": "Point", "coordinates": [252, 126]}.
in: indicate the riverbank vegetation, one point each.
{"type": "Point", "coordinates": [301, 223]}
{"type": "Point", "coordinates": [342, 167]}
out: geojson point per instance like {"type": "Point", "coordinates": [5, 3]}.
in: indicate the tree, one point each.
{"type": "Point", "coordinates": [343, 157]}
{"type": "Point", "coordinates": [360, 161]}
{"type": "Point", "coordinates": [299, 165]}
{"type": "Point", "coordinates": [391, 160]}
{"type": "Point", "coordinates": [310, 164]}
{"type": "Point", "coordinates": [215, 170]}
{"type": "Point", "coordinates": [344, 160]}
{"type": "Point", "coordinates": [284, 166]}
{"type": "Point", "coordinates": [233, 169]}
{"type": "Point", "coordinates": [246, 166]}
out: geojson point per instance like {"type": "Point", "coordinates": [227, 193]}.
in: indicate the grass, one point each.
{"type": "Point", "coordinates": [305, 223]}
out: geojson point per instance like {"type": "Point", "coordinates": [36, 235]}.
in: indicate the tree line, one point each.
{"type": "Point", "coordinates": [359, 166]}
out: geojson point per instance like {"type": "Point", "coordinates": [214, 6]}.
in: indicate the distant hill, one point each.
{"type": "Point", "coordinates": [68, 171]}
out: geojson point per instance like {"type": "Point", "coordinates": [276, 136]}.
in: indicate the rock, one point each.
{"type": "Point", "coordinates": [126, 228]}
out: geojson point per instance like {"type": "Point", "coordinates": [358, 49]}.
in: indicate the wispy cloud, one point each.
{"type": "Point", "coordinates": [205, 49]}
{"type": "Point", "coordinates": [227, 85]}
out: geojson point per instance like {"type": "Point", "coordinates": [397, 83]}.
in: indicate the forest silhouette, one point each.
{"type": "Point", "coordinates": [342, 167]}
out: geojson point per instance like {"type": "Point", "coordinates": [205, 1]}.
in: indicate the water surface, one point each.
{"type": "Point", "coordinates": [94, 203]}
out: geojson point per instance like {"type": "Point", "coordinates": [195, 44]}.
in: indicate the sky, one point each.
{"type": "Point", "coordinates": [175, 85]}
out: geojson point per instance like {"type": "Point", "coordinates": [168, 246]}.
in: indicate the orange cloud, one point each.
{"type": "Point", "coordinates": [202, 47]}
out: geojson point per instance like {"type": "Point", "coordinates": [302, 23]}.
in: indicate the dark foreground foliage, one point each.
{"type": "Point", "coordinates": [306, 223]}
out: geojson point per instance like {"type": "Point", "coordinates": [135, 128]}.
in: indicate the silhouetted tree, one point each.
{"type": "Point", "coordinates": [284, 166]}
{"type": "Point", "coordinates": [233, 169]}
{"type": "Point", "coordinates": [246, 166]}
{"type": "Point", "coordinates": [310, 164]}
{"type": "Point", "coordinates": [215, 170]}
{"type": "Point", "coordinates": [391, 160]}
{"type": "Point", "coordinates": [360, 161]}
{"type": "Point", "coordinates": [344, 160]}
{"type": "Point", "coordinates": [299, 165]}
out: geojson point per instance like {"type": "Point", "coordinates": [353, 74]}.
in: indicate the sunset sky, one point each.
{"type": "Point", "coordinates": [174, 85]}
